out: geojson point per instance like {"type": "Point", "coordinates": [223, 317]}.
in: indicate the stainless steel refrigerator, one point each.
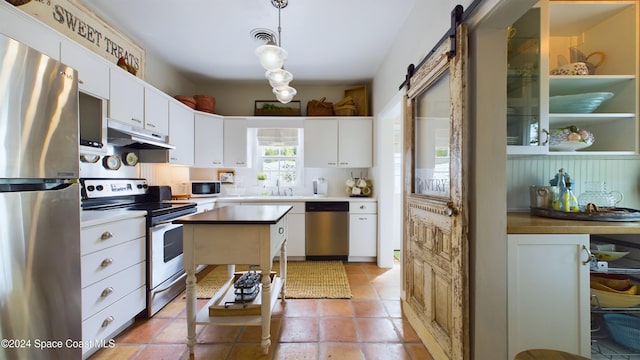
{"type": "Point", "coordinates": [39, 207]}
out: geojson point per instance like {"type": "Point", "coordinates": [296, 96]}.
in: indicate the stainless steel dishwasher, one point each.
{"type": "Point", "coordinates": [327, 230]}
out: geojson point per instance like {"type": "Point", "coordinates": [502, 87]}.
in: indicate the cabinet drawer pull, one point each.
{"type": "Point", "coordinates": [150, 125]}
{"type": "Point", "coordinates": [281, 230]}
{"type": "Point", "coordinates": [586, 249]}
{"type": "Point", "coordinates": [174, 158]}
{"type": "Point", "coordinates": [106, 292]}
{"type": "Point", "coordinates": [106, 235]}
{"type": "Point", "coordinates": [107, 321]}
{"type": "Point", "coordinates": [362, 218]}
{"type": "Point", "coordinates": [106, 262]}
{"type": "Point", "coordinates": [362, 207]}
{"type": "Point", "coordinates": [136, 120]}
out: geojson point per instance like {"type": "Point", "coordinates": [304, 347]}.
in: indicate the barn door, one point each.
{"type": "Point", "coordinates": [435, 262]}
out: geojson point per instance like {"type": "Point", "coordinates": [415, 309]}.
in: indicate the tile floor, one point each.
{"type": "Point", "coordinates": [368, 326]}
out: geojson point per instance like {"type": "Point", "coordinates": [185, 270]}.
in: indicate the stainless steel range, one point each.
{"type": "Point", "coordinates": [165, 271]}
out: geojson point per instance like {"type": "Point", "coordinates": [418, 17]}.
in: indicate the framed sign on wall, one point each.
{"type": "Point", "coordinates": [79, 23]}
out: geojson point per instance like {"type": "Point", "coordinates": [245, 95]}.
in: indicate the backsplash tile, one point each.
{"type": "Point", "coordinates": [621, 173]}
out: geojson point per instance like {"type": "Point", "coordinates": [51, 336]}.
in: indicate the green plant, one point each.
{"type": "Point", "coordinates": [262, 176]}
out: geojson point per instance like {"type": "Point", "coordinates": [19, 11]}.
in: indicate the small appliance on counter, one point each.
{"type": "Point", "coordinates": [320, 187]}
{"type": "Point", "coordinates": [208, 188]}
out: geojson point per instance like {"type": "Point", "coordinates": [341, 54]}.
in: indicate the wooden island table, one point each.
{"type": "Point", "coordinates": [235, 234]}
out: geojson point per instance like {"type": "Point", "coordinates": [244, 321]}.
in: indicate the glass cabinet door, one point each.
{"type": "Point", "coordinates": [525, 130]}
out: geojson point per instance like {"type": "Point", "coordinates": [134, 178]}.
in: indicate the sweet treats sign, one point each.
{"type": "Point", "coordinates": [77, 22]}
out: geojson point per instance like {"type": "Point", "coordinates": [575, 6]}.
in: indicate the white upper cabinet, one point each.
{"type": "Point", "coordinates": [93, 71]}
{"type": "Point", "coordinates": [20, 26]}
{"type": "Point", "coordinates": [126, 100]}
{"type": "Point", "coordinates": [338, 142]}
{"type": "Point", "coordinates": [181, 131]}
{"type": "Point", "coordinates": [235, 142]}
{"type": "Point", "coordinates": [355, 142]}
{"type": "Point", "coordinates": [156, 111]}
{"type": "Point", "coordinates": [208, 140]}
{"type": "Point", "coordinates": [603, 100]}
{"type": "Point", "coordinates": [321, 142]}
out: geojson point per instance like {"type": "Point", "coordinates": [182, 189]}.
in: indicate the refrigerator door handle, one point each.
{"type": "Point", "coordinates": [22, 185]}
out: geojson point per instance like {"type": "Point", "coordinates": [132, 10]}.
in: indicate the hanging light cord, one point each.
{"type": "Point", "coordinates": [280, 5]}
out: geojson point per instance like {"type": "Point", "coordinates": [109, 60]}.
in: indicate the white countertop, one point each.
{"type": "Point", "coordinates": [273, 199]}
{"type": "Point", "coordinates": [96, 217]}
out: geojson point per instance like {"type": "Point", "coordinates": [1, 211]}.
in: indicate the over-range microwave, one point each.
{"type": "Point", "coordinates": [205, 188]}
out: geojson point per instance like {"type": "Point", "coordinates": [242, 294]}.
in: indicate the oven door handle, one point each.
{"type": "Point", "coordinates": [181, 278]}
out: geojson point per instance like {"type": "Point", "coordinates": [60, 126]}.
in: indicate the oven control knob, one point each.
{"type": "Point", "coordinates": [91, 188]}
{"type": "Point", "coordinates": [140, 186]}
{"type": "Point", "coordinates": [99, 188]}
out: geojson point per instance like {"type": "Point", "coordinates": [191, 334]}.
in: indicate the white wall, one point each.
{"type": "Point", "coordinates": [237, 98]}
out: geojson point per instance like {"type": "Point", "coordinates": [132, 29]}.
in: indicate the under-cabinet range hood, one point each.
{"type": "Point", "coordinates": [120, 134]}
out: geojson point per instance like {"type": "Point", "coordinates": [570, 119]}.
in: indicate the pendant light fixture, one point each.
{"type": "Point", "coordinates": [272, 57]}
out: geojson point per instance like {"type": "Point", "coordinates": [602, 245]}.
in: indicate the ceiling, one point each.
{"type": "Point", "coordinates": [327, 41]}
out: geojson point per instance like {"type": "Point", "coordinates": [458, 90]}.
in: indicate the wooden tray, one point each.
{"type": "Point", "coordinates": [613, 214]}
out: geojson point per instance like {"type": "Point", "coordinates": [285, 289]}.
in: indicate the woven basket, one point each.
{"type": "Point", "coordinates": [345, 110]}
{"type": "Point", "coordinates": [319, 108]}
{"type": "Point", "coordinates": [205, 103]}
{"type": "Point", "coordinates": [187, 100]}
{"type": "Point", "coordinates": [624, 329]}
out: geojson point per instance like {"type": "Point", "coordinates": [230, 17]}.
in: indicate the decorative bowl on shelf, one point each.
{"type": "Point", "coordinates": [570, 138]}
{"type": "Point", "coordinates": [578, 103]}
{"type": "Point", "coordinates": [576, 68]}
{"type": "Point", "coordinates": [609, 255]}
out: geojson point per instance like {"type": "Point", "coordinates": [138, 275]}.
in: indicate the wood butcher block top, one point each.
{"type": "Point", "coordinates": [525, 223]}
{"type": "Point", "coordinates": [238, 214]}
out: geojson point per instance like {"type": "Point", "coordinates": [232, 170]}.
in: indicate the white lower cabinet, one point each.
{"type": "Point", "coordinates": [363, 222]}
{"type": "Point", "coordinates": [113, 273]}
{"type": "Point", "coordinates": [205, 206]}
{"type": "Point", "coordinates": [295, 242]}
{"type": "Point", "coordinates": [548, 293]}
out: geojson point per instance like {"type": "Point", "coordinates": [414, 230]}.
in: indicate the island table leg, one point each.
{"type": "Point", "coordinates": [266, 307]}
{"type": "Point", "coordinates": [191, 307]}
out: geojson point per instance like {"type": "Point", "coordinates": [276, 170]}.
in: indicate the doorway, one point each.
{"type": "Point", "coordinates": [389, 152]}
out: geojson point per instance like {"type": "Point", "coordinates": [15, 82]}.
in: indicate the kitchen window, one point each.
{"type": "Point", "coordinates": [279, 155]}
